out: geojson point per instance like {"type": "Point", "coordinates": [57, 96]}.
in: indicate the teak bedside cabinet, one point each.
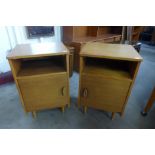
{"type": "Point", "coordinates": [107, 74]}
{"type": "Point", "coordinates": [41, 74]}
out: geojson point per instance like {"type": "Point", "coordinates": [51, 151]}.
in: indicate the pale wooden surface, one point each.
{"type": "Point", "coordinates": [107, 72]}
{"type": "Point", "coordinates": [115, 69]}
{"type": "Point", "coordinates": [37, 50]}
{"type": "Point", "coordinates": [111, 51]}
{"type": "Point", "coordinates": [41, 77]}
{"type": "Point", "coordinates": [34, 72]}
{"type": "Point", "coordinates": [40, 68]}
{"type": "Point", "coordinates": [103, 93]}
{"type": "Point", "coordinates": [44, 92]}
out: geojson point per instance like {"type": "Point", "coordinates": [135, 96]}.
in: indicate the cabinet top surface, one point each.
{"type": "Point", "coordinates": [37, 50]}
{"type": "Point", "coordinates": [111, 51]}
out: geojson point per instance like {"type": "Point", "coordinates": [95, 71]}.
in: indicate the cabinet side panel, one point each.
{"type": "Point", "coordinates": [80, 75]}
{"type": "Point", "coordinates": [135, 71]}
{"type": "Point", "coordinates": [68, 85]}
{"type": "Point", "coordinates": [15, 68]}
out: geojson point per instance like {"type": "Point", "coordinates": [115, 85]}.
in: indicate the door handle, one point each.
{"type": "Point", "coordinates": [63, 90]}
{"type": "Point", "coordinates": [85, 92]}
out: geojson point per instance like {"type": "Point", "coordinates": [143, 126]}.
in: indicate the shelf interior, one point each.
{"type": "Point", "coordinates": [40, 66]}
{"type": "Point", "coordinates": [107, 67]}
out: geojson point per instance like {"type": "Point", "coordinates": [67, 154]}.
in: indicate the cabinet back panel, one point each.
{"type": "Point", "coordinates": [38, 66]}
{"type": "Point", "coordinates": [108, 67]}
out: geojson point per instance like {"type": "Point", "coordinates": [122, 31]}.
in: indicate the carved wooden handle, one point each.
{"type": "Point", "coordinates": [85, 92]}
{"type": "Point", "coordinates": [63, 91]}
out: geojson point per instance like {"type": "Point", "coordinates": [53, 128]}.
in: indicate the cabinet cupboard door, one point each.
{"type": "Point", "coordinates": [44, 92]}
{"type": "Point", "coordinates": [103, 93]}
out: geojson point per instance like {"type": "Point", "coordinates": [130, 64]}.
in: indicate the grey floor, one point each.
{"type": "Point", "coordinates": [13, 116]}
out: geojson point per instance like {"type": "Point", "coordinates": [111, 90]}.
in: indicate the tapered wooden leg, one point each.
{"type": "Point", "coordinates": [85, 109]}
{"type": "Point", "coordinates": [78, 104]}
{"type": "Point", "coordinates": [149, 103]}
{"type": "Point", "coordinates": [69, 102]}
{"type": "Point", "coordinates": [68, 105]}
{"type": "Point", "coordinates": [63, 109]}
{"type": "Point", "coordinates": [122, 113]}
{"type": "Point", "coordinates": [34, 114]}
{"type": "Point", "coordinates": [113, 115]}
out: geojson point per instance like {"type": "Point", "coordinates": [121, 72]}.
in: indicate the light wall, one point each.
{"type": "Point", "coordinates": [4, 49]}
{"type": "Point", "coordinates": [10, 36]}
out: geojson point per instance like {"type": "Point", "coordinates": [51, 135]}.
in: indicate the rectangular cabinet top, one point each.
{"type": "Point", "coordinates": [110, 51]}
{"type": "Point", "coordinates": [37, 50]}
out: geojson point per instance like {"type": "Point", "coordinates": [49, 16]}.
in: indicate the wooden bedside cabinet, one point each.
{"type": "Point", "coordinates": [107, 74]}
{"type": "Point", "coordinates": [41, 73]}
